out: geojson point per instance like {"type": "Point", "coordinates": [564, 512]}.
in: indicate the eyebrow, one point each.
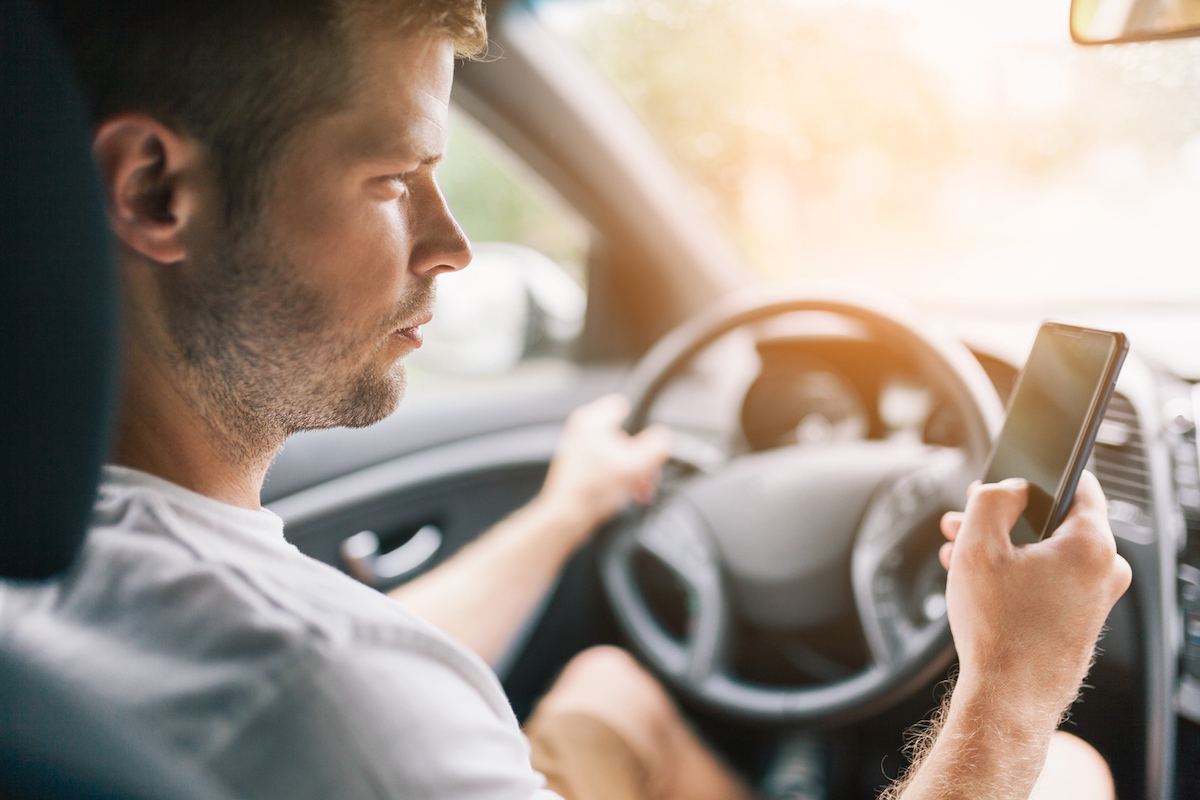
{"type": "Point", "coordinates": [390, 148]}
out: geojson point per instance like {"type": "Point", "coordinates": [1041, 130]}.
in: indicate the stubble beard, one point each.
{"type": "Point", "coordinates": [263, 356]}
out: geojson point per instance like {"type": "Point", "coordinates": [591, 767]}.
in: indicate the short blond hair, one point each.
{"type": "Point", "coordinates": [463, 20]}
{"type": "Point", "coordinates": [240, 77]}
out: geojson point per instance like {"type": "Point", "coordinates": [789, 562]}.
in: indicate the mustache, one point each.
{"type": "Point", "coordinates": [417, 303]}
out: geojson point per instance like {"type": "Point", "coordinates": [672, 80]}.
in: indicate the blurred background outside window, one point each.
{"type": "Point", "coordinates": [967, 156]}
{"type": "Point", "coordinates": [517, 313]}
{"type": "Point", "coordinates": [962, 154]}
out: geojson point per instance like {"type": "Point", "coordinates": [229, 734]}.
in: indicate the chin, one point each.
{"type": "Point", "coordinates": [373, 398]}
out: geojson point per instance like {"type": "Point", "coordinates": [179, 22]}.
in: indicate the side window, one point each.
{"type": "Point", "coordinates": [519, 308]}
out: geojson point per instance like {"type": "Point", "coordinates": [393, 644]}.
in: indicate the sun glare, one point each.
{"type": "Point", "coordinates": [962, 153]}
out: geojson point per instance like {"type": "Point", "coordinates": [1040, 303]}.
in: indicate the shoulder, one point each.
{"type": "Point", "coordinates": [185, 642]}
{"type": "Point", "coordinates": [382, 723]}
{"type": "Point", "coordinates": [285, 676]}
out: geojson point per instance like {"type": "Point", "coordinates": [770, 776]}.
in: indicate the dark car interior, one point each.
{"type": "Point", "coordinates": [60, 316]}
{"type": "Point", "coordinates": [746, 379]}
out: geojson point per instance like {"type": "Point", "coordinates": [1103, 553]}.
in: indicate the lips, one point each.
{"type": "Point", "coordinates": [413, 335]}
{"type": "Point", "coordinates": [413, 332]}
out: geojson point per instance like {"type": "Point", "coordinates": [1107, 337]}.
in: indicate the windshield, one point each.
{"type": "Point", "coordinates": [960, 153]}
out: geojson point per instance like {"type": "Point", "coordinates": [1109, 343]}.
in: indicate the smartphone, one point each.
{"type": "Point", "coordinates": [1055, 411]}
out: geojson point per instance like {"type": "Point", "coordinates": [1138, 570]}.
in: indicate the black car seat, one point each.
{"type": "Point", "coordinates": [58, 360]}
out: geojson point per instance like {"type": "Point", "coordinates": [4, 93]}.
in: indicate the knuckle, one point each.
{"type": "Point", "coordinates": [988, 498]}
{"type": "Point", "coordinates": [998, 493]}
{"type": "Point", "coordinates": [994, 503]}
{"type": "Point", "coordinates": [1122, 575]}
{"type": "Point", "coordinates": [1091, 511]}
{"type": "Point", "coordinates": [990, 491]}
{"type": "Point", "coordinates": [1094, 548]}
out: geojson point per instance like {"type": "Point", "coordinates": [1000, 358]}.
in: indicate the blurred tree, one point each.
{"type": "Point", "coordinates": [821, 130]}
{"type": "Point", "coordinates": [497, 199]}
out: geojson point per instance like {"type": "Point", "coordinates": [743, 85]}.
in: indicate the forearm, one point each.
{"type": "Point", "coordinates": [981, 745]}
{"type": "Point", "coordinates": [484, 592]}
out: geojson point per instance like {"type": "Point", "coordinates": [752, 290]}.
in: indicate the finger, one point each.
{"type": "Point", "coordinates": [653, 445]}
{"type": "Point", "coordinates": [992, 510]}
{"type": "Point", "coordinates": [951, 522]}
{"type": "Point", "coordinates": [944, 554]}
{"type": "Point", "coordinates": [1088, 515]}
{"type": "Point", "coordinates": [1122, 575]}
{"type": "Point", "coordinates": [1089, 497]}
{"type": "Point", "coordinates": [646, 489]}
{"type": "Point", "coordinates": [606, 412]}
{"type": "Point", "coordinates": [1086, 543]}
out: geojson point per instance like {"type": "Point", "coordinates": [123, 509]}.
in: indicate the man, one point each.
{"type": "Point", "coordinates": [268, 169]}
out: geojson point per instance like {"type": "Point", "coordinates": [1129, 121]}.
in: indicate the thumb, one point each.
{"type": "Point", "coordinates": [1089, 502]}
{"type": "Point", "coordinates": [653, 444]}
{"type": "Point", "coordinates": [992, 511]}
{"type": "Point", "coordinates": [604, 413]}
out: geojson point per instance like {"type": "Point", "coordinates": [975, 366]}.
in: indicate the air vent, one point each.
{"type": "Point", "coordinates": [1119, 461]}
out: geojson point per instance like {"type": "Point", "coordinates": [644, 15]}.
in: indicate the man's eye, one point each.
{"type": "Point", "coordinates": [397, 184]}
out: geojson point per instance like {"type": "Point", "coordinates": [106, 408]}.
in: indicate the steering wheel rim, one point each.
{"type": "Point", "coordinates": [911, 484]}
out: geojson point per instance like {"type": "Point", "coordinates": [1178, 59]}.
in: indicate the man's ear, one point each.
{"type": "Point", "coordinates": [150, 175]}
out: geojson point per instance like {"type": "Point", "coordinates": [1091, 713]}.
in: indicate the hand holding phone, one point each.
{"type": "Point", "coordinates": [1029, 624]}
{"type": "Point", "coordinates": [1055, 412]}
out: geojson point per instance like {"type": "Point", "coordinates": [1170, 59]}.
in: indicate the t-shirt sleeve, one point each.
{"type": "Point", "coordinates": [380, 723]}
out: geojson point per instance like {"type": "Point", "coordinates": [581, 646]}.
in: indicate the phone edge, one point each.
{"type": "Point", "coordinates": [1087, 443]}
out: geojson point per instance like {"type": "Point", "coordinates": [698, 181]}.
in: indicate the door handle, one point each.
{"type": "Point", "coordinates": [360, 553]}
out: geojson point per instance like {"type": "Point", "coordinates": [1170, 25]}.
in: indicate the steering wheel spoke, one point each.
{"type": "Point", "coordinates": [674, 534]}
{"type": "Point", "coordinates": [896, 512]}
{"type": "Point", "coordinates": [695, 454]}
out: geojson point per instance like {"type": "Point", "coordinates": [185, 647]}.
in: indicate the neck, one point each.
{"type": "Point", "coordinates": [162, 433]}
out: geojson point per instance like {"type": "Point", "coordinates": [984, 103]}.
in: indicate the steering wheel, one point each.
{"type": "Point", "coordinates": [798, 536]}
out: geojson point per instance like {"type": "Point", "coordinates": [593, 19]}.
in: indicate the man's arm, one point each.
{"type": "Point", "coordinates": [1025, 622]}
{"type": "Point", "coordinates": [485, 591]}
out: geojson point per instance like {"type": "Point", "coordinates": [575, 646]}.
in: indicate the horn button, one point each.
{"type": "Point", "coordinates": [785, 522]}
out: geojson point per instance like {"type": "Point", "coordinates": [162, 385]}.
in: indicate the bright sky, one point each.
{"type": "Point", "coordinates": [956, 36]}
{"type": "Point", "coordinates": [1122, 188]}
{"type": "Point", "coordinates": [1028, 21]}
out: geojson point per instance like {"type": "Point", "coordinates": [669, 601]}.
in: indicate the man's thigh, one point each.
{"type": "Point", "coordinates": [607, 729]}
{"type": "Point", "coordinates": [585, 759]}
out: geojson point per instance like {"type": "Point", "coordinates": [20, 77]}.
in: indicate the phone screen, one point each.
{"type": "Point", "coordinates": [1051, 410]}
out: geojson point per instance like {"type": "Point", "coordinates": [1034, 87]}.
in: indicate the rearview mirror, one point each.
{"type": "Point", "coordinates": [1108, 21]}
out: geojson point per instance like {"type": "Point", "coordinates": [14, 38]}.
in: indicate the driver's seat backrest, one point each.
{"type": "Point", "coordinates": [58, 377]}
{"type": "Point", "coordinates": [58, 307]}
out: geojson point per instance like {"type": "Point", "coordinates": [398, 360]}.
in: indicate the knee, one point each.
{"type": "Point", "coordinates": [609, 678]}
{"type": "Point", "coordinates": [607, 666]}
{"type": "Point", "coordinates": [1073, 769]}
{"type": "Point", "coordinates": [608, 684]}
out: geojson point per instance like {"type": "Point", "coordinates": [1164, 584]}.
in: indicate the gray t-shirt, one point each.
{"type": "Point", "coordinates": [279, 674]}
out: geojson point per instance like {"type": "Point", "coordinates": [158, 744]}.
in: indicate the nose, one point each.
{"type": "Point", "coordinates": [440, 245]}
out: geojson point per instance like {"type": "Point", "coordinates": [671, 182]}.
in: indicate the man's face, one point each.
{"type": "Point", "coordinates": [300, 322]}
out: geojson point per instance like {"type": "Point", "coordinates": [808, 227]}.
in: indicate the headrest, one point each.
{"type": "Point", "coordinates": [58, 305]}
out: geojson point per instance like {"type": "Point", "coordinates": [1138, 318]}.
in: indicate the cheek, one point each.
{"type": "Point", "coordinates": [375, 254]}
{"type": "Point", "coordinates": [356, 257]}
